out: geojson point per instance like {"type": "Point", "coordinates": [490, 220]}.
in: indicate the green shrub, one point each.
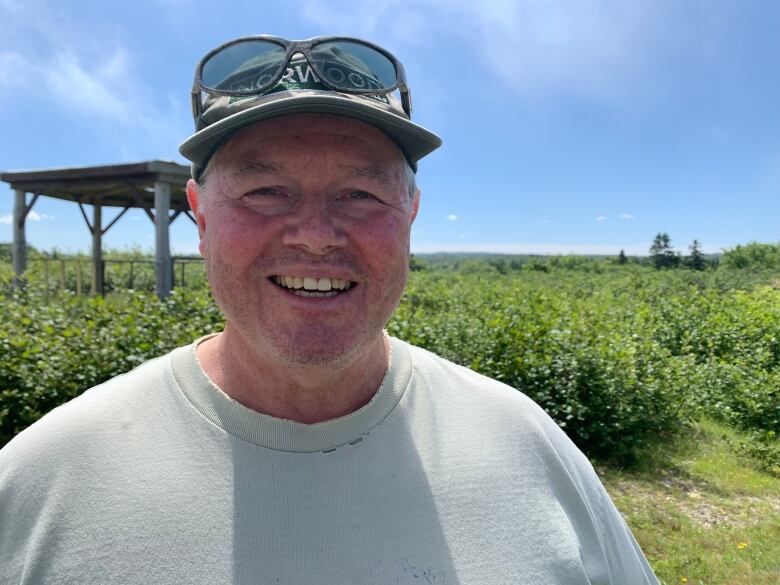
{"type": "Point", "coordinates": [620, 356]}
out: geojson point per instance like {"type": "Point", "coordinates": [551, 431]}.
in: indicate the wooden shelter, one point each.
{"type": "Point", "coordinates": [157, 187]}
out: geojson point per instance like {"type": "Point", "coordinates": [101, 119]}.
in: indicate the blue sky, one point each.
{"type": "Point", "coordinates": [582, 126]}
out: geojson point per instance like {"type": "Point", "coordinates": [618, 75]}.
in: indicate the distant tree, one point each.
{"type": "Point", "coordinates": [622, 258]}
{"type": "Point", "coordinates": [696, 259]}
{"type": "Point", "coordinates": [6, 251]}
{"type": "Point", "coordinates": [415, 264]}
{"type": "Point", "coordinates": [499, 264]}
{"type": "Point", "coordinates": [661, 253]}
{"type": "Point", "coordinates": [754, 256]}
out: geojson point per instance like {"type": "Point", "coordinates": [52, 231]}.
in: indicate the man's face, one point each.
{"type": "Point", "coordinates": [301, 202]}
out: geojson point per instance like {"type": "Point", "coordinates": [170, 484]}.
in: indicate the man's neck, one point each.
{"type": "Point", "coordinates": [306, 394]}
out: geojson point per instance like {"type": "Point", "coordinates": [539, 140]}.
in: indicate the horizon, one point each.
{"type": "Point", "coordinates": [129, 250]}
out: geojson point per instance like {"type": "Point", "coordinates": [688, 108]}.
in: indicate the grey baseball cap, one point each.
{"type": "Point", "coordinates": [300, 91]}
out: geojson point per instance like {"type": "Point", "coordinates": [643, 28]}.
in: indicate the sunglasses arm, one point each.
{"type": "Point", "coordinates": [406, 100]}
{"type": "Point", "coordinates": [197, 106]}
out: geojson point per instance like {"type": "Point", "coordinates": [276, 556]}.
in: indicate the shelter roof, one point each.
{"type": "Point", "coordinates": [120, 185]}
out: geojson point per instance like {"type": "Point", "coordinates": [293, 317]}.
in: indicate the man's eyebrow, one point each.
{"type": "Point", "coordinates": [374, 172]}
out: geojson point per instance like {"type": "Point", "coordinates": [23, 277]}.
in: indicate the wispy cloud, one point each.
{"type": "Point", "coordinates": [13, 69]}
{"type": "Point", "coordinates": [547, 249]}
{"type": "Point", "coordinates": [602, 218]}
{"type": "Point", "coordinates": [96, 91]}
{"type": "Point", "coordinates": [64, 65]}
{"type": "Point", "coordinates": [452, 217]}
{"type": "Point", "coordinates": [627, 216]}
{"type": "Point", "coordinates": [393, 21]}
{"type": "Point", "coordinates": [31, 216]}
{"type": "Point", "coordinates": [601, 50]}
{"type": "Point", "coordinates": [529, 248]}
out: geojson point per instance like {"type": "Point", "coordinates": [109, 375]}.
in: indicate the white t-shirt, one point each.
{"type": "Point", "coordinates": [444, 477]}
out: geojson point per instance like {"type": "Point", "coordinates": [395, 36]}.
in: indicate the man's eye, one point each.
{"type": "Point", "coordinates": [265, 192]}
{"type": "Point", "coordinates": [360, 195]}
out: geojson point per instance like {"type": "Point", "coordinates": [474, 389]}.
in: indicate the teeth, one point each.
{"type": "Point", "coordinates": [315, 293]}
{"type": "Point", "coordinates": [308, 283]}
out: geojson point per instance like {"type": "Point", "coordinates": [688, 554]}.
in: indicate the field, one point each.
{"type": "Point", "coordinates": [668, 379]}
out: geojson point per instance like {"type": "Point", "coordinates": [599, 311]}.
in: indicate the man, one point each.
{"type": "Point", "coordinates": [302, 444]}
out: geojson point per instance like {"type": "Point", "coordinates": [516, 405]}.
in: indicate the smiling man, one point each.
{"type": "Point", "coordinates": [303, 444]}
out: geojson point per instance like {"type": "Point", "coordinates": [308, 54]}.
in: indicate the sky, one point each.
{"type": "Point", "coordinates": [569, 126]}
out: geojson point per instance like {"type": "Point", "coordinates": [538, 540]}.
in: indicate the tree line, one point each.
{"type": "Point", "coordinates": [662, 255]}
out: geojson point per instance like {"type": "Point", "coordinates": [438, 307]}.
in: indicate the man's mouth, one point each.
{"type": "Point", "coordinates": [308, 286]}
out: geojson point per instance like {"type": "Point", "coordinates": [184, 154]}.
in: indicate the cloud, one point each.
{"type": "Point", "coordinates": [547, 249]}
{"type": "Point", "coordinates": [606, 51]}
{"type": "Point", "coordinates": [555, 47]}
{"type": "Point", "coordinates": [393, 21]}
{"type": "Point", "coordinates": [627, 216]}
{"type": "Point", "coordinates": [452, 217]}
{"type": "Point", "coordinates": [89, 72]}
{"type": "Point", "coordinates": [13, 69]}
{"type": "Point", "coordinates": [31, 216]}
{"type": "Point", "coordinates": [602, 218]}
{"type": "Point", "coordinates": [97, 91]}
{"type": "Point", "coordinates": [530, 248]}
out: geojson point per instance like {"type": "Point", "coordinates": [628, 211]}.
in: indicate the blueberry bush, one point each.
{"type": "Point", "coordinates": [620, 356]}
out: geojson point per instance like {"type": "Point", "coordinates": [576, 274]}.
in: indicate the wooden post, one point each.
{"type": "Point", "coordinates": [130, 284]}
{"type": "Point", "coordinates": [62, 274]}
{"type": "Point", "coordinates": [181, 280]}
{"type": "Point", "coordinates": [97, 251]}
{"type": "Point", "coordinates": [20, 244]}
{"type": "Point", "coordinates": [162, 251]}
{"type": "Point", "coordinates": [78, 277]}
{"type": "Point", "coordinates": [46, 278]}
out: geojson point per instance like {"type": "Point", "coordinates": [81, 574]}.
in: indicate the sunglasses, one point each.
{"type": "Point", "coordinates": [251, 66]}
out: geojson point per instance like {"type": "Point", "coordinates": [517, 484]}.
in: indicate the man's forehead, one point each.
{"type": "Point", "coordinates": [375, 172]}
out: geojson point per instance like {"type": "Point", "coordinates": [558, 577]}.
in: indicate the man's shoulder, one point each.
{"type": "Point", "coordinates": [490, 408]}
{"type": "Point", "coordinates": [451, 378]}
{"type": "Point", "coordinates": [87, 417]}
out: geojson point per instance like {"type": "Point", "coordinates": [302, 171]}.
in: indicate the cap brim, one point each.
{"type": "Point", "coordinates": [414, 140]}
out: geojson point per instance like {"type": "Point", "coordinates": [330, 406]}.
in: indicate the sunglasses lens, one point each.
{"type": "Point", "coordinates": [244, 66]}
{"type": "Point", "coordinates": [354, 66]}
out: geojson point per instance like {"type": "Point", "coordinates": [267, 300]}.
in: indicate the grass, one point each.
{"type": "Point", "coordinates": [702, 514]}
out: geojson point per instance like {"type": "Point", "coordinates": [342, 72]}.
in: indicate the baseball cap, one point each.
{"type": "Point", "coordinates": [299, 90]}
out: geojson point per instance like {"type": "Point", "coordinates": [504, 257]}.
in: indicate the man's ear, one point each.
{"type": "Point", "coordinates": [193, 198]}
{"type": "Point", "coordinates": [415, 204]}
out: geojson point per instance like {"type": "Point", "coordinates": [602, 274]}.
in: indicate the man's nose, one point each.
{"type": "Point", "coordinates": [313, 227]}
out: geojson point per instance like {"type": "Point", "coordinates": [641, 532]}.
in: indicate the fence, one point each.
{"type": "Point", "coordinates": [78, 274]}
